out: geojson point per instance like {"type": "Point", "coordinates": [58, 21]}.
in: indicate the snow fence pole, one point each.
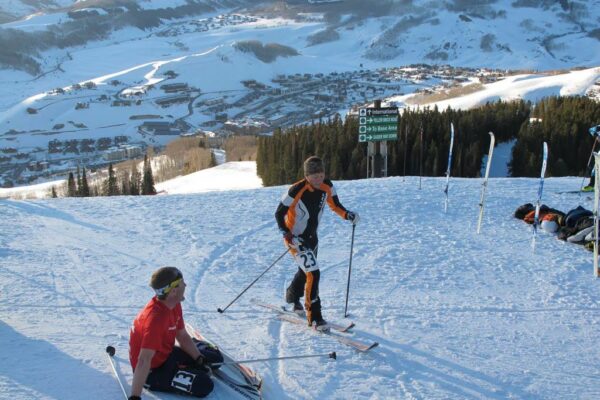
{"type": "Point", "coordinates": [110, 352]}
{"type": "Point", "coordinates": [222, 310]}
{"type": "Point", "coordinates": [349, 271]}
{"type": "Point", "coordinates": [255, 360]}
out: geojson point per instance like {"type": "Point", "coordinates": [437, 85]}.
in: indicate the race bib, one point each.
{"type": "Point", "coordinates": [306, 260]}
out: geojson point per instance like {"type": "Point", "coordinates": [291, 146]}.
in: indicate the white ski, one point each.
{"type": "Point", "coordinates": [485, 181]}
{"type": "Point", "coordinates": [596, 206]}
{"type": "Point", "coordinates": [356, 344]}
{"type": "Point", "coordinates": [536, 219]}
{"type": "Point", "coordinates": [283, 311]}
{"type": "Point", "coordinates": [449, 165]}
{"type": "Point", "coordinates": [237, 377]}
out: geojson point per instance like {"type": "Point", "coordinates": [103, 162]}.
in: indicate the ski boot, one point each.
{"type": "Point", "coordinates": [298, 309]}
{"type": "Point", "coordinates": [321, 325]}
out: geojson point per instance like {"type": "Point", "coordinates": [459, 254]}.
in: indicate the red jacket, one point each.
{"type": "Point", "coordinates": [155, 328]}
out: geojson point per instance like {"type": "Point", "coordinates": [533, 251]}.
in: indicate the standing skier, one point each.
{"type": "Point", "coordinates": [595, 132]}
{"type": "Point", "coordinates": [298, 216]}
{"type": "Point", "coordinates": [157, 363]}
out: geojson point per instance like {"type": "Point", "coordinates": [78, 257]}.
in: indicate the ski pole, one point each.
{"type": "Point", "coordinates": [222, 310]}
{"type": "Point", "coordinates": [330, 355]}
{"type": "Point", "coordinates": [349, 271]}
{"type": "Point", "coordinates": [110, 352]}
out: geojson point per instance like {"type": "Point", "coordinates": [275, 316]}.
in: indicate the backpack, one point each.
{"type": "Point", "coordinates": [523, 210]}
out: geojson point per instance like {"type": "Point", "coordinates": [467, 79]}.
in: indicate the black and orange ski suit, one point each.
{"type": "Point", "coordinates": [299, 212]}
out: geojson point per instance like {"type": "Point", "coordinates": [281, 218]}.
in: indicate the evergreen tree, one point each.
{"type": "Point", "coordinates": [71, 186]}
{"type": "Point", "coordinates": [148, 179]}
{"type": "Point", "coordinates": [111, 187]}
{"type": "Point", "coordinates": [134, 180]}
{"type": "Point", "coordinates": [125, 185]}
{"type": "Point", "coordinates": [84, 189]}
{"type": "Point", "coordinates": [54, 195]}
{"type": "Point", "coordinates": [78, 182]}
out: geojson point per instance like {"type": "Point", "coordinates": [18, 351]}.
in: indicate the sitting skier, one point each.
{"type": "Point", "coordinates": [157, 363]}
{"type": "Point", "coordinates": [298, 216]}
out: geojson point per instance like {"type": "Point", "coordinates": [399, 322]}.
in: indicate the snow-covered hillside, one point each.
{"type": "Point", "coordinates": [457, 315]}
{"type": "Point", "coordinates": [149, 71]}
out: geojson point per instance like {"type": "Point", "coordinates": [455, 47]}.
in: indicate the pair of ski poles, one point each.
{"type": "Point", "coordinates": [222, 310]}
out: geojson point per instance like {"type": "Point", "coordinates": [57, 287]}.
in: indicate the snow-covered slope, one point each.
{"type": "Point", "coordinates": [457, 315]}
{"type": "Point", "coordinates": [228, 176]}
{"type": "Point", "coordinates": [109, 84]}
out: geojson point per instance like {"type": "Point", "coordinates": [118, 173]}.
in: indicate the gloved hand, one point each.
{"type": "Point", "coordinates": [134, 398]}
{"type": "Point", "coordinates": [292, 241]}
{"type": "Point", "coordinates": [201, 364]}
{"type": "Point", "coordinates": [353, 217]}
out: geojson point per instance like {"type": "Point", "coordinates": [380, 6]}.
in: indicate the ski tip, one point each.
{"type": "Point", "coordinates": [110, 350]}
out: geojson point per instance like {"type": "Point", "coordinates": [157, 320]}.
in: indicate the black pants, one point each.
{"type": "Point", "coordinates": [307, 284]}
{"type": "Point", "coordinates": [178, 374]}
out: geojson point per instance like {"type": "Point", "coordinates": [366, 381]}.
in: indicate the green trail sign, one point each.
{"type": "Point", "coordinates": [377, 124]}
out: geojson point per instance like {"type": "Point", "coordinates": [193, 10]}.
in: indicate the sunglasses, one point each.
{"type": "Point", "coordinates": [163, 291]}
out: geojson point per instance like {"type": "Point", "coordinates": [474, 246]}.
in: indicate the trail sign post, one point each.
{"type": "Point", "coordinates": [377, 124]}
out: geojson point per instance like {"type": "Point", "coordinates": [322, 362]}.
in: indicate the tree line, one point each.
{"type": "Point", "coordinates": [122, 183]}
{"type": "Point", "coordinates": [563, 122]}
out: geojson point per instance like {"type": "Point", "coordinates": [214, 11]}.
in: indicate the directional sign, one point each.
{"type": "Point", "coordinates": [377, 124]}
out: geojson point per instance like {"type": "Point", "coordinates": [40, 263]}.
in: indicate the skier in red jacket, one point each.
{"type": "Point", "coordinates": [157, 363]}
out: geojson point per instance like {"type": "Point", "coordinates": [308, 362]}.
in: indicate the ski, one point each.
{"type": "Point", "coordinates": [485, 181]}
{"type": "Point", "coordinates": [573, 192]}
{"type": "Point", "coordinates": [596, 206]}
{"type": "Point", "coordinates": [449, 166]}
{"type": "Point", "coordinates": [283, 311]}
{"type": "Point", "coordinates": [239, 378]}
{"type": "Point", "coordinates": [356, 344]}
{"type": "Point", "coordinates": [536, 220]}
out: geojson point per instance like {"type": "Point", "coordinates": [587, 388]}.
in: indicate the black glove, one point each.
{"type": "Point", "coordinates": [134, 398]}
{"type": "Point", "coordinates": [201, 364]}
{"type": "Point", "coordinates": [352, 217]}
